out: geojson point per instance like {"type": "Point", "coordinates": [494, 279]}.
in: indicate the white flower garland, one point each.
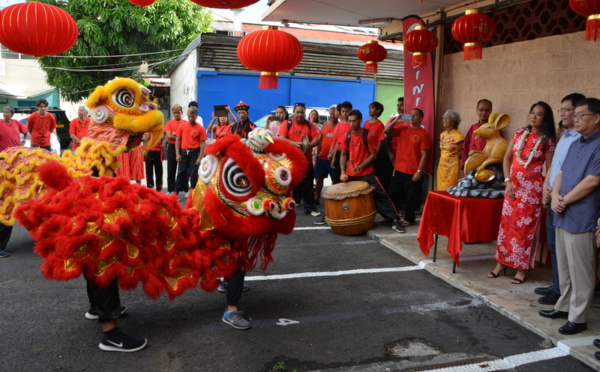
{"type": "Point", "coordinates": [521, 146]}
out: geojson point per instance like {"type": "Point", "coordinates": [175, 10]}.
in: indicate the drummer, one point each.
{"type": "Point", "coordinates": [359, 151]}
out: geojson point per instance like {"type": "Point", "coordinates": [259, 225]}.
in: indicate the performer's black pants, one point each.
{"type": "Point", "coordinates": [187, 174]}
{"type": "Point", "coordinates": [171, 167]}
{"type": "Point", "coordinates": [106, 301]}
{"type": "Point", "coordinates": [306, 191]}
{"type": "Point", "coordinates": [404, 190]}
{"type": "Point", "coordinates": [235, 286]}
{"type": "Point", "coordinates": [337, 171]}
{"type": "Point", "coordinates": [154, 165]}
{"type": "Point", "coordinates": [5, 232]}
{"type": "Point", "coordinates": [383, 169]}
{"type": "Point", "coordinates": [383, 204]}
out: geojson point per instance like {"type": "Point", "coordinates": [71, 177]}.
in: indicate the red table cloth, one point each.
{"type": "Point", "coordinates": [460, 219]}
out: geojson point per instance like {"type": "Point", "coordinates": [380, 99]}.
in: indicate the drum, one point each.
{"type": "Point", "coordinates": [349, 207]}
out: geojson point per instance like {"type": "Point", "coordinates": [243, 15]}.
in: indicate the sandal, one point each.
{"type": "Point", "coordinates": [493, 275]}
{"type": "Point", "coordinates": [516, 280]}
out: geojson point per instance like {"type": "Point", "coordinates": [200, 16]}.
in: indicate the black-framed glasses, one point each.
{"type": "Point", "coordinates": [580, 116]}
{"type": "Point", "coordinates": [564, 110]}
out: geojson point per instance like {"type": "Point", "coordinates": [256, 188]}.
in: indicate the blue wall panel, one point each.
{"type": "Point", "coordinates": [225, 88]}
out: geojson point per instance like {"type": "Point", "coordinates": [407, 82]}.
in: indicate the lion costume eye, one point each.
{"type": "Point", "coordinates": [236, 182]}
{"type": "Point", "coordinates": [283, 176]}
{"type": "Point", "coordinates": [124, 97]}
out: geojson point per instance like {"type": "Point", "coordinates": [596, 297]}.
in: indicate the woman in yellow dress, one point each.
{"type": "Point", "coordinates": [450, 143]}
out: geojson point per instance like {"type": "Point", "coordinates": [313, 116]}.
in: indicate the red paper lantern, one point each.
{"type": "Point", "coordinates": [420, 42]}
{"type": "Point", "coordinates": [224, 4]}
{"type": "Point", "coordinates": [142, 2]}
{"type": "Point", "coordinates": [371, 53]}
{"type": "Point", "coordinates": [472, 30]}
{"type": "Point", "coordinates": [37, 29]}
{"type": "Point", "coordinates": [591, 10]}
{"type": "Point", "coordinates": [270, 51]}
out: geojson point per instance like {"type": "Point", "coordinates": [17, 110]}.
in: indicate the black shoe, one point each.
{"type": "Point", "coordinates": [549, 299]}
{"type": "Point", "coordinates": [571, 328]}
{"type": "Point", "coordinates": [597, 342]}
{"type": "Point", "coordinates": [320, 221]}
{"type": "Point", "coordinates": [597, 355]}
{"type": "Point", "coordinates": [115, 340]}
{"type": "Point", "coordinates": [542, 291]}
{"type": "Point", "coordinates": [554, 314]}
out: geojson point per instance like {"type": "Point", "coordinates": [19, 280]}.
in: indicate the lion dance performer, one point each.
{"type": "Point", "coordinates": [119, 234]}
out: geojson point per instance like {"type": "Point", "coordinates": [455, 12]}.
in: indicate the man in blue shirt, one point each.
{"type": "Point", "coordinates": [567, 110]}
{"type": "Point", "coordinates": [576, 204]}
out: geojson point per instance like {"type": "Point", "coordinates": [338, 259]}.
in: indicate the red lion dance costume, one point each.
{"type": "Point", "coordinates": [111, 229]}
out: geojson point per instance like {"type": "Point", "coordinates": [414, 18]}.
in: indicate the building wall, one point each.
{"type": "Point", "coordinates": [516, 75]}
{"type": "Point", "coordinates": [183, 83]}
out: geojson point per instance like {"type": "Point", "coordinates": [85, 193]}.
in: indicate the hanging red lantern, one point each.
{"type": "Point", "coordinates": [270, 51]}
{"type": "Point", "coordinates": [371, 53]}
{"type": "Point", "coordinates": [37, 29]}
{"type": "Point", "coordinates": [224, 4]}
{"type": "Point", "coordinates": [591, 10]}
{"type": "Point", "coordinates": [142, 2]}
{"type": "Point", "coordinates": [420, 42]}
{"type": "Point", "coordinates": [472, 30]}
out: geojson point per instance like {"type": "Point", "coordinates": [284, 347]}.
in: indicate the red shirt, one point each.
{"type": "Point", "coordinates": [410, 143]}
{"type": "Point", "coordinates": [375, 128]}
{"type": "Point", "coordinates": [10, 134]}
{"type": "Point", "coordinates": [326, 140]}
{"type": "Point", "coordinates": [41, 127]}
{"type": "Point", "coordinates": [172, 126]}
{"type": "Point", "coordinates": [341, 131]}
{"type": "Point", "coordinates": [191, 135]}
{"type": "Point", "coordinates": [297, 131]}
{"type": "Point", "coordinates": [222, 131]}
{"type": "Point", "coordinates": [358, 152]}
{"type": "Point", "coordinates": [78, 129]}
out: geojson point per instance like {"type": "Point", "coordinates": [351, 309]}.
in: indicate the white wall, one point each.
{"type": "Point", "coordinates": [183, 82]}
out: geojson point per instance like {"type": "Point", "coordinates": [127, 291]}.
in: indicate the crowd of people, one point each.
{"type": "Point", "coordinates": [546, 175]}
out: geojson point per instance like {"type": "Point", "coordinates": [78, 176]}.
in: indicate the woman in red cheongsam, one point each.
{"type": "Point", "coordinates": [529, 149]}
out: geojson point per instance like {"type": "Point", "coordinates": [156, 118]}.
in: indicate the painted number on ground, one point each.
{"type": "Point", "coordinates": [286, 322]}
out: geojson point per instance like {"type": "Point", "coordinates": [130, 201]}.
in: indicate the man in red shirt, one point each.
{"type": "Point", "coordinates": [78, 127]}
{"type": "Point", "coordinates": [10, 131]}
{"type": "Point", "coordinates": [293, 132]}
{"type": "Point", "coordinates": [472, 142]}
{"type": "Point", "coordinates": [343, 109]}
{"type": "Point", "coordinates": [188, 147]}
{"type": "Point", "coordinates": [383, 167]}
{"type": "Point", "coordinates": [356, 163]}
{"type": "Point", "coordinates": [323, 163]}
{"type": "Point", "coordinates": [170, 129]}
{"type": "Point", "coordinates": [411, 158]}
{"type": "Point", "coordinates": [41, 124]}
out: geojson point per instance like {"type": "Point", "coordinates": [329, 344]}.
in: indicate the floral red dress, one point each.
{"type": "Point", "coordinates": [519, 223]}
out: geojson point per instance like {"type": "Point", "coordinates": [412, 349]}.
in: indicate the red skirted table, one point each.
{"type": "Point", "coordinates": [460, 219]}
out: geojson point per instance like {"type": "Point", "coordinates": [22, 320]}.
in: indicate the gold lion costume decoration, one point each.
{"type": "Point", "coordinates": [110, 229]}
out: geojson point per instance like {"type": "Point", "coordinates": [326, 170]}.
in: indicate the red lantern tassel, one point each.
{"type": "Point", "coordinates": [472, 51]}
{"type": "Point", "coordinates": [419, 59]}
{"type": "Point", "coordinates": [371, 67]}
{"type": "Point", "coordinates": [592, 27]}
{"type": "Point", "coordinates": [268, 80]}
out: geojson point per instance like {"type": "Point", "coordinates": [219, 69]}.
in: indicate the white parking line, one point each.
{"type": "Point", "coordinates": [507, 363]}
{"type": "Point", "coordinates": [333, 273]}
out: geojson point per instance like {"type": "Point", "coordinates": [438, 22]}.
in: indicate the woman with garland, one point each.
{"type": "Point", "coordinates": [529, 149]}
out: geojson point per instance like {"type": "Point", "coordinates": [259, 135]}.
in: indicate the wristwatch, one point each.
{"type": "Point", "coordinates": [418, 171]}
{"type": "Point", "coordinates": [507, 179]}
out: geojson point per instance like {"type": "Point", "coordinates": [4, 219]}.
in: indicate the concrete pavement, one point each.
{"type": "Point", "coordinates": [517, 302]}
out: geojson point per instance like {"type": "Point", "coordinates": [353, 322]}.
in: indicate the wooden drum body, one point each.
{"type": "Point", "coordinates": [349, 207]}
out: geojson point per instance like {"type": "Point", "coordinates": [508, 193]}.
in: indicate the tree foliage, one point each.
{"type": "Point", "coordinates": [111, 32]}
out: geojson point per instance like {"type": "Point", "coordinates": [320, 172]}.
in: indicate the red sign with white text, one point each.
{"type": "Point", "coordinates": [419, 87]}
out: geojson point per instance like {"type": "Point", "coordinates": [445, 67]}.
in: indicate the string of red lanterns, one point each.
{"type": "Point", "coordinates": [270, 51]}
{"type": "Point", "coordinates": [473, 29]}
{"type": "Point", "coordinates": [591, 10]}
{"type": "Point", "coordinates": [224, 4]}
{"type": "Point", "coordinates": [37, 29]}
{"type": "Point", "coordinates": [420, 42]}
{"type": "Point", "coordinates": [371, 53]}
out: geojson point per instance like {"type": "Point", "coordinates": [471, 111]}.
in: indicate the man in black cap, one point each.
{"type": "Point", "coordinates": [244, 125]}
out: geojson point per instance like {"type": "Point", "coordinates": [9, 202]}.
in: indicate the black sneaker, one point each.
{"type": "Point", "coordinates": [397, 227]}
{"type": "Point", "coordinates": [115, 340]}
{"type": "Point", "coordinates": [320, 221]}
{"type": "Point", "coordinates": [92, 313]}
